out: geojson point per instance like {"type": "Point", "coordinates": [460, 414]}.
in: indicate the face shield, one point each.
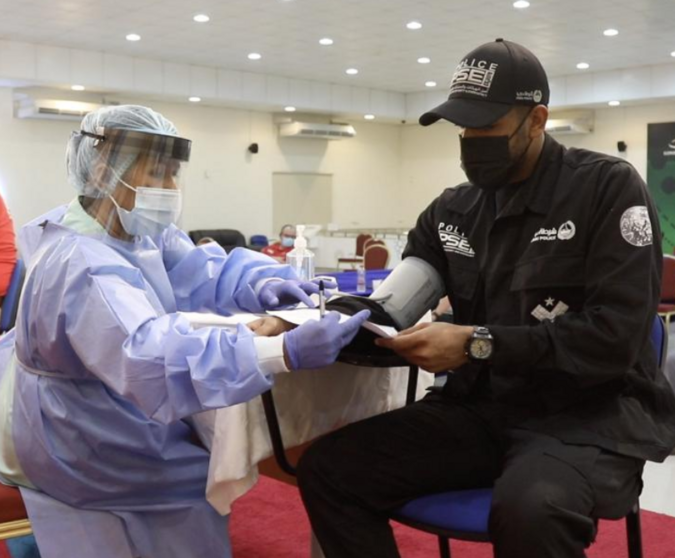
{"type": "Point", "coordinates": [135, 182]}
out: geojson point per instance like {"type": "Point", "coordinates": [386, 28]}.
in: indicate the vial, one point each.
{"type": "Point", "coordinates": [360, 279]}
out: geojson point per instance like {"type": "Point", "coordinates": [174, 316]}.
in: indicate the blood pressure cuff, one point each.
{"type": "Point", "coordinates": [362, 349]}
{"type": "Point", "coordinates": [351, 305]}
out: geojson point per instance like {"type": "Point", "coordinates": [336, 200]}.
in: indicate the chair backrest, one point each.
{"type": "Point", "coordinates": [11, 505]}
{"type": "Point", "coordinates": [376, 257]}
{"type": "Point", "coordinates": [259, 240]}
{"type": "Point", "coordinates": [668, 279]}
{"type": "Point", "coordinates": [659, 339]}
{"type": "Point", "coordinates": [13, 518]}
{"type": "Point", "coordinates": [227, 238]}
{"type": "Point", "coordinates": [10, 304]}
{"type": "Point", "coordinates": [361, 242]}
{"type": "Point", "coordinates": [373, 242]}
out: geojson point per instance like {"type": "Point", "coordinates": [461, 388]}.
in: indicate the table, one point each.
{"type": "Point", "coordinates": [327, 249]}
{"type": "Point", "coordinates": [346, 280]}
{"type": "Point", "coordinates": [309, 403]}
{"type": "Point", "coordinates": [272, 417]}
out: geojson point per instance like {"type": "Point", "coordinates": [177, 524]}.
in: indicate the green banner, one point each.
{"type": "Point", "coordinates": [661, 177]}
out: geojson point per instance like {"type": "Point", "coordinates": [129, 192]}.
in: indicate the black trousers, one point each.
{"type": "Point", "coordinates": [546, 493]}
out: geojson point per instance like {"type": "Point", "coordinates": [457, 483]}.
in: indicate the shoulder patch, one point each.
{"type": "Point", "coordinates": [636, 228]}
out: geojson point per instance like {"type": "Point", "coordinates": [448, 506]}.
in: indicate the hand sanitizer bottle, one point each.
{"type": "Point", "coordinates": [300, 258]}
{"type": "Point", "coordinates": [360, 279]}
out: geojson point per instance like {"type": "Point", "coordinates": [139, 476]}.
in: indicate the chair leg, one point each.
{"type": "Point", "coordinates": [444, 547]}
{"type": "Point", "coordinates": [634, 533]}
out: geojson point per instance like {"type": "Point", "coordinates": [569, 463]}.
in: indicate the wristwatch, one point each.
{"type": "Point", "coordinates": [480, 345]}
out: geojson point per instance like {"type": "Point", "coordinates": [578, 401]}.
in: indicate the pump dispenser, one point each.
{"type": "Point", "coordinates": [301, 259]}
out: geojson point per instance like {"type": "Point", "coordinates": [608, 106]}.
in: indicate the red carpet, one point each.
{"type": "Point", "coordinates": [271, 516]}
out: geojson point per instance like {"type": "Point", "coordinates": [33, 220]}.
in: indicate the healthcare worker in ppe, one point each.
{"type": "Point", "coordinates": [101, 367]}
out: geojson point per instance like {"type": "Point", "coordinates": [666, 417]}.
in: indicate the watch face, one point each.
{"type": "Point", "coordinates": [481, 348]}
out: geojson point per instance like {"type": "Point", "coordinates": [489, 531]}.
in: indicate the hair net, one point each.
{"type": "Point", "coordinates": [82, 155]}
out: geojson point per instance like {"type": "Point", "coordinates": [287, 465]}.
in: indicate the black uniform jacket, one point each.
{"type": "Point", "coordinates": [567, 279]}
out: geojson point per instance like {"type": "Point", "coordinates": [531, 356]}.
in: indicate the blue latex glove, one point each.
{"type": "Point", "coordinates": [275, 294]}
{"type": "Point", "coordinates": [315, 344]}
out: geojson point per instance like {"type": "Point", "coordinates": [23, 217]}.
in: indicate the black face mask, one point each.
{"type": "Point", "coordinates": [487, 161]}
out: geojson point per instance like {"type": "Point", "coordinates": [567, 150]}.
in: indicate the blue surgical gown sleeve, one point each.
{"type": "Point", "coordinates": [206, 279]}
{"type": "Point", "coordinates": [89, 313]}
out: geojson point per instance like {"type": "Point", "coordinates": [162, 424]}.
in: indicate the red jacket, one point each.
{"type": "Point", "coordinates": [277, 251]}
{"type": "Point", "coordinates": [7, 248]}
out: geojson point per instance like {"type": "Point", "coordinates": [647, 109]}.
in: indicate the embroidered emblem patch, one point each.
{"type": "Point", "coordinates": [473, 77]}
{"type": "Point", "coordinates": [636, 228]}
{"type": "Point", "coordinates": [566, 230]}
{"type": "Point", "coordinates": [453, 240]}
{"type": "Point", "coordinates": [542, 313]}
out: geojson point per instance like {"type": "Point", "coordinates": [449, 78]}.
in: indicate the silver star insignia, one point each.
{"type": "Point", "coordinates": [549, 301]}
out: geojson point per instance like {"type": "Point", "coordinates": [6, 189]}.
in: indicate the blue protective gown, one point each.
{"type": "Point", "coordinates": [105, 369]}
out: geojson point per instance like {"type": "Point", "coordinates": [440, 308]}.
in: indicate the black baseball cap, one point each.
{"type": "Point", "coordinates": [488, 82]}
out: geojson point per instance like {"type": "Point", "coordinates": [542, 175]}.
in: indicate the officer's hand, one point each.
{"type": "Point", "coordinates": [269, 326]}
{"type": "Point", "coordinates": [435, 347]}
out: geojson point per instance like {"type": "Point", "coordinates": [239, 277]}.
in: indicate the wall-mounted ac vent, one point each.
{"type": "Point", "coordinates": [316, 130]}
{"type": "Point", "coordinates": [569, 126]}
{"type": "Point", "coordinates": [52, 109]}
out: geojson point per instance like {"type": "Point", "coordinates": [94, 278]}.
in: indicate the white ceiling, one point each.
{"type": "Point", "coordinates": [369, 34]}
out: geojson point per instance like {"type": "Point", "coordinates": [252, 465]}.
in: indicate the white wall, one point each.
{"type": "Point", "coordinates": [230, 188]}
{"type": "Point", "coordinates": [226, 187]}
{"type": "Point", "coordinates": [627, 124]}
{"type": "Point", "coordinates": [32, 163]}
{"type": "Point", "coordinates": [430, 156]}
{"type": "Point", "coordinates": [382, 178]}
{"type": "Point", "coordinates": [429, 164]}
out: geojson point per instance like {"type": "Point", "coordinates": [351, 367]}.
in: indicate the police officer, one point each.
{"type": "Point", "coordinates": [551, 259]}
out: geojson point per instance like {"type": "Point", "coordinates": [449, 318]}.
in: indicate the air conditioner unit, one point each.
{"type": "Point", "coordinates": [52, 109]}
{"type": "Point", "coordinates": [316, 130]}
{"type": "Point", "coordinates": [569, 126]}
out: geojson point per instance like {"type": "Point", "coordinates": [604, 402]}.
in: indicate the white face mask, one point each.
{"type": "Point", "coordinates": [154, 210]}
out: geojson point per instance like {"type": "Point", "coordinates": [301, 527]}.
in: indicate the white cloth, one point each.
{"type": "Point", "coordinates": [309, 403]}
